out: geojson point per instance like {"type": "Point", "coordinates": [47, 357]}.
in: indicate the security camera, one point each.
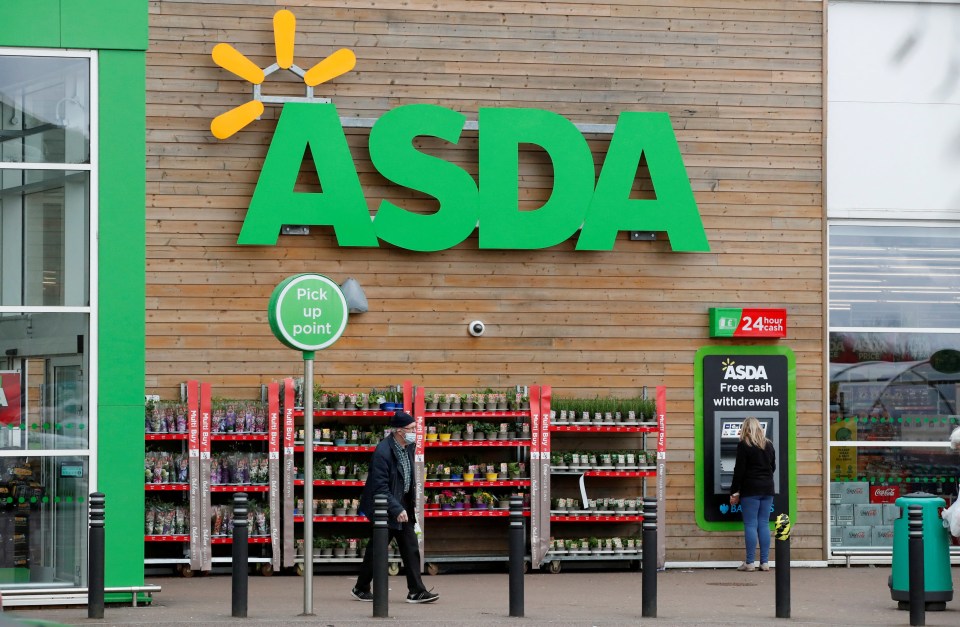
{"type": "Point", "coordinates": [476, 328]}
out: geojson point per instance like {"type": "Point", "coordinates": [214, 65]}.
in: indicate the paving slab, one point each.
{"type": "Point", "coordinates": [819, 596]}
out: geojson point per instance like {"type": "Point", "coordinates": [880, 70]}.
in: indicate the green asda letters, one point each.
{"type": "Point", "coordinates": [600, 210]}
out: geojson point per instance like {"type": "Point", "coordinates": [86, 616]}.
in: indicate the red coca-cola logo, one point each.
{"type": "Point", "coordinates": [884, 494]}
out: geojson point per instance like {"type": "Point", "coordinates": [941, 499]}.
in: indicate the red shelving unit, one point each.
{"type": "Point", "coordinates": [571, 521]}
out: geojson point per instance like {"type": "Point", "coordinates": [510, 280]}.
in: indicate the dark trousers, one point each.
{"type": "Point", "coordinates": [409, 552]}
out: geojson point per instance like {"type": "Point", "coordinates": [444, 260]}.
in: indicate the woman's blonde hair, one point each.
{"type": "Point", "coordinates": [752, 433]}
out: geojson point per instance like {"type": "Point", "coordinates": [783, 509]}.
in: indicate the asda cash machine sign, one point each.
{"type": "Point", "coordinates": [307, 312]}
{"type": "Point", "coordinates": [596, 206]}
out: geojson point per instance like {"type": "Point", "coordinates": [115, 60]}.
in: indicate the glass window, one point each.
{"type": "Point", "coordinates": [894, 276]}
{"type": "Point", "coordinates": [43, 520]}
{"type": "Point", "coordinates": [895, 390]}
{"type": "Point", "coordinates": [44, 109]}
{"type": "Point", "coordinates": [52, 375]}
{"type": "Point", "coordinates": [44, 237]}
{"type": "Point", "coordinates": [46, 175]}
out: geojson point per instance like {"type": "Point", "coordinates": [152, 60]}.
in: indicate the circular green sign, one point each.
{"type": "Point", "coordinates": [307, 312]}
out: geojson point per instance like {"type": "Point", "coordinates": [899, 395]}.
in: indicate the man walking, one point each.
{"type": "Point", "coordinates": [391, 475]}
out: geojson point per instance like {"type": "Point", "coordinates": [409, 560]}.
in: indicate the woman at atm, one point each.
{"type": "Point", "coordinates": [753, 488]}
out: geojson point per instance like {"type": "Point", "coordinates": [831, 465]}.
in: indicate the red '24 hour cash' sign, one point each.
{"type": "Point", "coordinates": [733, 322]}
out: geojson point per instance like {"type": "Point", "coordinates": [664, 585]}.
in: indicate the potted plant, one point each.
{"type": "Point", "coordinates": [556, 461]}
{"type": "Point", "coordinates": [340, 438]}
{"type": "Point", "coordinates": [482, 499]}
{"type": "Point", "coordinates": [352, 506]}
{"type": "Point", "coordinates": [432, 433]}
{"type": "Point", "coordinates": [339, 546]}
{"type": "Point", "coordinates": [444, 402]}
{"type": "Point", "coordinates": [469, 473]}
{"type": "Point", "coordinates": [431, 400]}
{"type": "Point", "coordinates": [447, 499]}
{"type": "Point", "coordinates": [514, 470]}
{"type": "Point", "coordinates": [324, 546]}
{"type": "Point", "coordinates": [363, 471]}
{"type": "Point", "coordinates": [456, 431]}
{"type": "Point", "coordinates": [443, 431]}
{"type": "Point", "coordinates": [339, 508]}
{"type": "Point", "coordinates": [456, 473]}
{"type": "Point", "coordinates": [456, 402]}
{"type": "Point", "coordinates": [352, 546]}
{"type": "Point", "coordinates": [326, 507]}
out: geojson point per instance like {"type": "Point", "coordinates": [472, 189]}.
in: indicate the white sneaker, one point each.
{"type": "Point", "coordinates": [747, 568]}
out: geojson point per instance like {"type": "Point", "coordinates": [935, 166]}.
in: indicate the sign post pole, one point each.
{"type": "Point", "coordinates": [307, 312]}
{"type": "Point", "coordinates": [307, 512]}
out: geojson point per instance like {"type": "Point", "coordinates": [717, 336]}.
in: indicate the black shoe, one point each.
{"type": "Point", "coordinates": [422, 597]}
{"type": "Point", "coordinates": [360, 595]}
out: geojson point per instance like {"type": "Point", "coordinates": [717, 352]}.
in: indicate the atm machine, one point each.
{"type": "Point", "coordinates": [726, 437]}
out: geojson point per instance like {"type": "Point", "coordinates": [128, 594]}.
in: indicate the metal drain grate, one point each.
{"type": "Point", "coordinates": [730, 584]}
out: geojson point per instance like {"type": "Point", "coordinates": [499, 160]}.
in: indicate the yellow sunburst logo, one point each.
{"type": "Point", "coordinates": [726, 363]}
{"type": "Point", "coordinates": [232, 60]}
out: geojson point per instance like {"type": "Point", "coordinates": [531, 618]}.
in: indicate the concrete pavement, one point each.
{"type": "Point", "coordinates": [819, 596]}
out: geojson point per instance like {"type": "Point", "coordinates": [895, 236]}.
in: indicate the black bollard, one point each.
{"type": "Point", "coordinates": [915, 557]}
{"type": "Point", "coordinates": [95, 558]}
{"type": "Point", "coordinates": [241, 552]}
{"type": "Point", "coordinates": [648, 584]}
{"type": "Point", "coordinates": [381, 536]}
{"type": "Point", "coordinates": [517, 549]}
{"type": "Point", "coordinates": [782, 571]}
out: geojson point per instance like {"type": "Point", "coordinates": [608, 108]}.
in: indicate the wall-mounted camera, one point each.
{"type": "Point", "coordinates": [476, 328]}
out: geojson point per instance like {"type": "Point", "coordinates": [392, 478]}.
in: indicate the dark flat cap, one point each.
{"type": "Point", "coordinates": [401, 419]}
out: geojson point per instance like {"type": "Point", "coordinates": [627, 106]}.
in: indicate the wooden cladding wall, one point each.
{"type": "Point", "coordinates": [742, 82]}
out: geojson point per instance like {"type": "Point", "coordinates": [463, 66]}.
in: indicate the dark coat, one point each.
{"type": "Point", "coordinates": [753, 472]}
{"type": "Point", "coordinates": [385, 477]}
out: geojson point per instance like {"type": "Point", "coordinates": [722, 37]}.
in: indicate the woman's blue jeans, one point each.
{"type": "Point", "coordinates": [756, 525]}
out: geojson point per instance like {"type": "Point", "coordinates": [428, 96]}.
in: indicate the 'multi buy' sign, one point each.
{"type": "Point", "coordinates": [599, 207]}
{"type": "Point", "coordinates": [307, 312]}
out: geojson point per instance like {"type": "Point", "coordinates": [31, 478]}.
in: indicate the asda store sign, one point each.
{"type": "Point", "coordinates": [597, 207]}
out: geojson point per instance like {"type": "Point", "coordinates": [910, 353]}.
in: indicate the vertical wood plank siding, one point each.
{"type": "Point", "coordinates": [742, 82]}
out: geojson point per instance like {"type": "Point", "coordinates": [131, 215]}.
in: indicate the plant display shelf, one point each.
{"type": "Point", "coordinates": [202, 445]}
{"type": "Point", "coordinates": [477, 483]}
{"type": "Point", "coordinates": [476, 443]}
{"type": "Point", "coordinates": [250, 540]}
{"type": "Point", "coordinates": [642, 472]}
{"type": "Point", "coordinates": [497, 413]}
{"type": "Point", "coordinates": [618, 427]}
{"type": "Point", "coordinates": [166, 487]}
{"type": "Point", "coordinates": [595, 517]}
{"type": "Point", "coordinates": [470, 513]}
{"type": "Point", "coordinates": [344, 413]}
{"type": "Point", "coordinates": [576, 431]}
{"type": "Point", "coordinates": [343, 448]}
{"type": "Point", "coordinates": [239, 437]}
{"type": "Point", "coordinates": [298, 518]}
{"type": "Point", "coordinates": [246, 487]}
{"type": "Point", "coordinates": [169, 538]}
{"type": "Point", "coordinates": [294, 481]}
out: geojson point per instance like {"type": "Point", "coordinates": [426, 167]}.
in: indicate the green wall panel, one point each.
{"type": "Point", "coordinates": [33, 23]}
{"type": "Point", "coordinates": [104, 24]}
{"type": "Point", "coordinates": [91, 24]}
{"type": "Point", "coordinates": [122, 302]}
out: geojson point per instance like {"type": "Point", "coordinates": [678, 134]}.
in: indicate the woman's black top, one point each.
{"type": "Point", "coordinates": [753, 472]}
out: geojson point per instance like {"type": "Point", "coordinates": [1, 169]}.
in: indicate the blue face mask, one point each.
{"type": "Point", "coordinates": [410, 437]}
